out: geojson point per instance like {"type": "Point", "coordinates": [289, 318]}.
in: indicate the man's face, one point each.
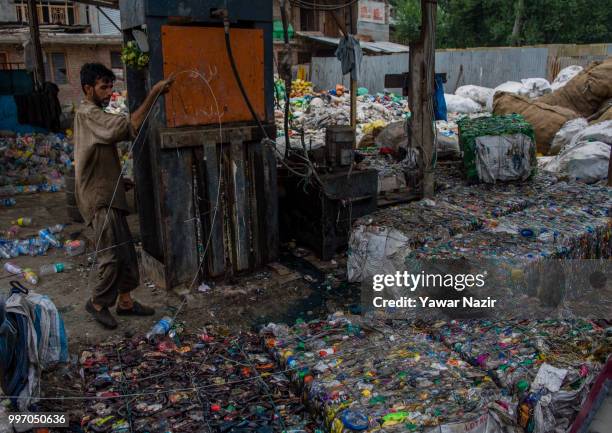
{"type": "Point", "coordinates": [101, 93]}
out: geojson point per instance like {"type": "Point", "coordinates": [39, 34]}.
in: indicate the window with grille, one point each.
{"type": "Point", "coordinates": [50, 13]}
{"type": "Point", "coordinates": [55, 68]}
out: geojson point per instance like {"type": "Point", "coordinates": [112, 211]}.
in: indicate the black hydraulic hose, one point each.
{"type": "Point", "coordinates": [230, 55]}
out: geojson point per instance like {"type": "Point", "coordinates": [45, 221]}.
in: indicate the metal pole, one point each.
{"type": "Point", "coordinates": [428, 30]}
{"type": "Point", "coordinates": [610, 168]}
{"type": "Point", "coordinates": [353, 83]}
{"type": "Point", "coordinates": [39, 64]}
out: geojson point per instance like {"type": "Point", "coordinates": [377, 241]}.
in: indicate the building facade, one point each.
{"type": "Point", "coordinates": [368, 19]}
{"type": "Point", "coordinates": [71, 34]}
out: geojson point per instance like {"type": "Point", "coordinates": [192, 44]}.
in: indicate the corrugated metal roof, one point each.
{"type": "Point", "coordinates": [107, 27]}
{"type": "Point", "coordinates": [371, 47]}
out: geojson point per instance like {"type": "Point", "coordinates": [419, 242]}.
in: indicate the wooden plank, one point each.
{"type": "Point", "coordinates": [173, 138]}
{"type": "Point", "coordinates": [152, 269]}
{"type": "Point", "coordinates": [178, 213]}
{"type": "Point", "coordinates": [211, 209]}
{"type": "Point", "coordinates": [255, 175]}
{"type": "Point", "coordinates": [269, 205]}
{"type": "Point", "coordinates": [240, 206]}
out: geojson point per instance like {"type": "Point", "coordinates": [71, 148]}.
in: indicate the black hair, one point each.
{"type": "Point", "coordinates": [92, 72]}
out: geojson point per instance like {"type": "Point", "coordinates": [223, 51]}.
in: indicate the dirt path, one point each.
{"type": "Point", "coordinates": [305, 290]}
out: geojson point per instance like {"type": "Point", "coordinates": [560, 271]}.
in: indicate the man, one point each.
{"type": "Point", "coordinates": [100, 192]}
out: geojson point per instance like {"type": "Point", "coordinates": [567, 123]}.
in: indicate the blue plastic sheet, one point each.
{"type": "Point", "coordinates": [440, 112]}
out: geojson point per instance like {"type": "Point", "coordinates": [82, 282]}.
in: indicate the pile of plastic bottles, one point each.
{"type": "Point", "coordinates": [216, 381]}
{"type": "Point", "coordinates": [12, 246]}
{"type": "Point", "coordinates": [34, 163]}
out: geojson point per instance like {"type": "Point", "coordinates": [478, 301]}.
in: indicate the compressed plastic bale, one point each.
{"type": "Point", "coordinates": [397, 380]}
{"type": "Point", "coordinates": [475, 93]}
{"type": "Point", "coordinates": [565, 75]}
{"type": "Point", "coordinates": [535, 87]}
{"type": "Point", "coordinates": [565, 135]}
{"type": "Point", "coordinates": [459, 104]}
{"type": "Point", "coordinates": [586, 162]}
{"type": "Point", "coordinates": [497, 148]}
{"type": "Point", "coordinates": [584, 93]}
{"type": "Point", "coordinates": [546, 120]}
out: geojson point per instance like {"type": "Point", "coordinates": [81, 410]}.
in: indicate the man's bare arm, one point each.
{"type": "Point", "coordinates": [138, 116]}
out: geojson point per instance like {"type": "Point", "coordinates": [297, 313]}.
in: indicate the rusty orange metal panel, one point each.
{"type": "Point", "coordinates": [193, 53]}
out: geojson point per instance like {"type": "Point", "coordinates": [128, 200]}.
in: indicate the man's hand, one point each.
{"type": "Point", "coordinates": [159, 88]}
{"type": "Point", "coordinates": [162, 86]}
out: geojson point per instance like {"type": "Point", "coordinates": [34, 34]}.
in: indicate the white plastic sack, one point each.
{"type": "Point", "coordinates": [586, 162]}
{"type": "Point", "coordinates": [447, 144]}
{"type": "Point", "coordinates": [508, 86]}
{"type": "Point", "coordinates": [535, 87]}
{"type": "Point", "coordinates": [372, 250]}
{"type": "Point", "coordinates": [477, 94]}
{"type": "Point", "coordinates": [565, 135]}
{"type": "Point", "coordinates": [565, 75]}
{"type": "Point", "coordinates": [555, 411]}
{"type": "Point", "coordinates": [459, 104]}
{"type": "Point", "coordinates": [597, 132]}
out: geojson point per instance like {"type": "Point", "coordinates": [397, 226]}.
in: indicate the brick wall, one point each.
{"type": "Point", "coordinates": [76, 56]}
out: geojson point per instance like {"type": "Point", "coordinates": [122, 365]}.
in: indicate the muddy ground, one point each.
{"type": "Point", "coordinates": [299, 286]}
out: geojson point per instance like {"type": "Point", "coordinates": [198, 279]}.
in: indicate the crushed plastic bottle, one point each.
{"type": "Point", "coordinates": [74, 248]}
{"type": "Point", "coordinates": [4, 252]}
{"type": "Point", "coordinates": [12, 268]}
{"type": "Point", "coordinates": [161, 328]}
{"type": "Point", "coordinates": [8, 202]}
{"type": "Point", "coordinates": [22, 222]}
{"type": "Point", "coordinates": [10, 233]}
{"type": "Point", "coordinates": [49, 237]}
{"type": "Point", "coordinates": [57, 228]}
{"type": "Point", "coordinates": [30, 276]}
{"type": "Point", "coordinates": [54, 268]}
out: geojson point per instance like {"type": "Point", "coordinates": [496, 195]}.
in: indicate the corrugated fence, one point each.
{"type": "Point", "coordinates": [482, 66]}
